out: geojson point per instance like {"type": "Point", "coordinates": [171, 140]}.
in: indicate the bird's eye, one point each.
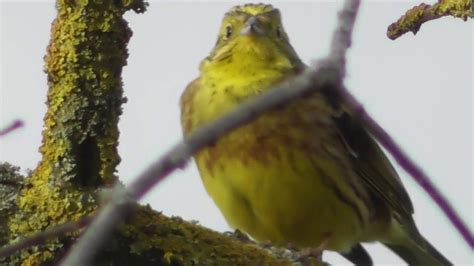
{"type": "Point", "coordinates": [228, 31]}
{"type": "Point", "coordinates": [278, 32]}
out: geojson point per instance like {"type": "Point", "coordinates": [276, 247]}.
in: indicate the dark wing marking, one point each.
{"type": "Point", "coordinates": [375, 169]}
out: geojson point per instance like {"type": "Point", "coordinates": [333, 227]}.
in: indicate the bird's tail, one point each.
{"type": "Point", "coordinates": [419, 253]}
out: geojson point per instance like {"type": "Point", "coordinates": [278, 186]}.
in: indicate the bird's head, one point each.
{"type": "Point", "coordinates": [252, 20]}
{"type": "Point", "coordinates": [255, 30]}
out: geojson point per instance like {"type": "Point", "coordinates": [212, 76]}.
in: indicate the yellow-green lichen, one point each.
{"type": "Point", "coordinates": [85, 58]}
{"type": "Point", "coordinates": [11, 181]}
{"type": "Point", "coordinates": [416, 16]}
{"type": "Point", "coordinates": [173, 241]}
{"type": "Point", "coordinates": [456, 8]}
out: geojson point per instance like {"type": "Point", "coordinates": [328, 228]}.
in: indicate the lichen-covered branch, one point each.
{"type": "Point", "coordinates": [150, 238]}
{"type": "Point", "coordinates": [11, 181]}
{"type": "Point", "coordinates": [85, 57]}
{"type": "Point", "coordinates": [415, 17]}
{"type": "Point", "coordinates": [172, 241]}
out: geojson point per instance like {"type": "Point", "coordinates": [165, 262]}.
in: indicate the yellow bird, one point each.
{"type": "Point", "coordinates": [306, 174]}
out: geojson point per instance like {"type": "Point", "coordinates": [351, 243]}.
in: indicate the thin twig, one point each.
{"type": "Point", "coordinates": [308, 82]}
{"type": "Point", "coordinates": [15, 125]}
{"type": "Point", "coordinates": [41, 237]}
{"type": "Point", "coordinates": [342, 38]}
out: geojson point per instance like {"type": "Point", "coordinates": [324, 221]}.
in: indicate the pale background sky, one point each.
{"type": "Point", "coordinates": [418, 87]}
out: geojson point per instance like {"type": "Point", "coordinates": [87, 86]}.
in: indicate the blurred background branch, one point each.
{"type": "Point", "coordinates": [13, 126]}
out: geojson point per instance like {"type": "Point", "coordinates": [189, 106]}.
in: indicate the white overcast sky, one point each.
{"type": "Point", "coordinates": [418, 87]}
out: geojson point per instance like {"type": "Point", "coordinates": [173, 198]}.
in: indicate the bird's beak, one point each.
{"type": "Point", "coordinates": [252, 26]}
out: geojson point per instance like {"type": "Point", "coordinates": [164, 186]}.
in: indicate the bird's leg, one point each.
{"type": "Point", "coordinates": [316, 252]}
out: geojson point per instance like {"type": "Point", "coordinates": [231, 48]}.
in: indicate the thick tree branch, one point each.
{"type": "Point", "coordinates": [150, 238]}
{"type": "Point", "coordinates": [84, 61]}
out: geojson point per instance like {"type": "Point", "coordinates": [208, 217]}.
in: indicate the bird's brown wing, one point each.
{"type": "Point", "coordinates": [374, 168]}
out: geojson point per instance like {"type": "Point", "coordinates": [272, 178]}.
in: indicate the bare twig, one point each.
{"type": "Point", "coordinates": [308, 82]}
{"type": "Point", "coordinates": [41, 237]}
{"type": "Point", "coordinates": [342, 38]}
{"type": "Point", "coordinates": [15, 125]}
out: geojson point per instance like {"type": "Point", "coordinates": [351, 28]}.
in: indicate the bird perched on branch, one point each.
{"type": "Point", "coordinates": [306, 173]}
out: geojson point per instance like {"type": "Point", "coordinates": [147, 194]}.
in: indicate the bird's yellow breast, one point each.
{"type": "Point", "coordinates": [279, 177]}
{"type": "Point", "coordinates": [274, 177]}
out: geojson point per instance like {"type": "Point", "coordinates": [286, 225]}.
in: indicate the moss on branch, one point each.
{"type": "Point", "coordinates": [150, 238]}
